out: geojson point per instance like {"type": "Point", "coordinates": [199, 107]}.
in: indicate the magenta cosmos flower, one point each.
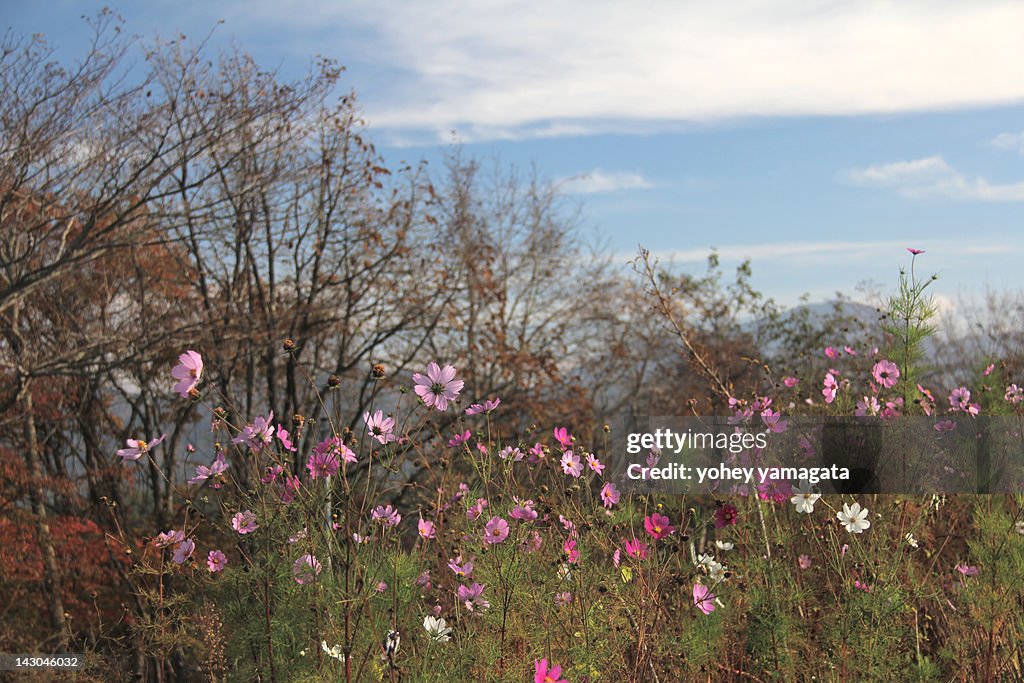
{"type": "Point", "coordinates": [438, 386]}
{"type": "Point", "coordinates": [496, 530]}
{"type": "Point", "coordinates": [216, 561]}
{"type": "Point", "coordinates": [137, 447]}
{"type": "Point", "coordinates": [886, 373]}
{"type": "Point", "coordinates": [188, 372]}
{"type": "Point", "coordinates": [658, 526]}
{"type": "Point", "coordinates": [726, 515]}
{"type": "Point", "coordinates": [543, 673]}
{"type": "Point", "coordinates": [244, 522]}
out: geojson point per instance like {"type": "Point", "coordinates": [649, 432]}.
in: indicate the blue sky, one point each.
{"type": "Point", "coordinates": [818, 139]}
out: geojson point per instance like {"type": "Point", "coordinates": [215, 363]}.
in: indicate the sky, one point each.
{"type": "Point", "coordinates": [818, 139]}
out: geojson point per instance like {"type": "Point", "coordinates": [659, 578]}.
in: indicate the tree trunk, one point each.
{"type": "Point", "coordinates": [51, 572]}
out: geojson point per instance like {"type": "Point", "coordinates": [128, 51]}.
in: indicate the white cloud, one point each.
{"type": "Point", "coordinates": [525, 69]}
{"type": "Point", "coordinates": [816, 253]}
{"type": "Point", "coordinates": [604, 181]}
{"type": "Point", "coordinates": [1011, 141]}
{"type": "Point", "coordinates": [932, 177]}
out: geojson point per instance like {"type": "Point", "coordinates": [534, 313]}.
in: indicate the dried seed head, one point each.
{"type": "Point", "coordinates": [289, 345]}
{"type": "Point", "coordinates": [333, 381]}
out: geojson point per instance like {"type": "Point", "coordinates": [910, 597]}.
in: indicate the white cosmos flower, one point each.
{"type": "Point", "coordinates": [333, 651]}
{"type": "Point", "coordinates": [854, 518]}
{"type": "Point", "coordinates": [437, 628]}
{"type": "Point", "coordinates": [724, 545]}
{"type": "Point", "coordinates": [804, 497]}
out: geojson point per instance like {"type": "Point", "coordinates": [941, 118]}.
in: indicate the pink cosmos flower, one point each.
{"type": "Point", "coordinates": [472, 597]}
{"type": "Point", "coordinates": [323, 463]}
{"type": "Point", "coordinates": [635, 548]}
{"type": "Point", "coordinates": [594, 464]}
{"type": "Point", "coordinates": [216, 561]}
{"type": "Point", "coordinates": [288, 488]}
{"type": "Point", "coordinates": [169, 538]}
{"type": "Point", "coordinates": [703, 598]}
{"type": "Point", "coordinates": [476, 510]}
{"type": "Point", "coordinates": [850, 350]}
{"type": "Point", "coordinates": [790, 382]}
{"type": "Point", "coordinates": [563, 437]}
{"type": "Point", "coordinates": [244, 522]}
{"type": "Point", "coordinates": [188, 372]}
{"type": "Point", "coordinates": [426, 529]}
{"type": "Point", "coordinates": [216, 468]}
{"type": "Point", "coordinates": [968, 570]}
{"type": "Point", "coordinates": [511, 453]}
{"type": "Point", "coordinates": [462, 569]}
{"type": "Point", "coordinates": [496, 530]}
{"type": "Point", "coordinates": [459, 439]}
{"type": "Point", "coordinates": [959, 398]}
{"type": "Point", "coordinates": [537, 453]}
{"type": "Point", "coordinates": [867, 406]}
{"type": "Point", "coordinates": [438, 386]}
{"type": "Point", "coordinates": [726, 515]}
{"type": "Point", "coordinates": [487, 407]}
{"type": "Point", "coordinates": [137, 448]}
{"type": "Point", "coordinates": [886, 373]}
{"type": "Point", "coordinates": [571, 553]}
{"type": "Point", "coordinates": [571, 464]}
{"type": "Point", "coordinates": [804, 562]}
{"type": "Point", "coordinates": [380, 427]}
{"type": "Point", "coordinates": [829, 392]}
{"type": "Point", "coordinates": [860, 585]}
{"type": "Point", "coordinates": [257, 434]}
{"type": "Point", "coordinates": [306, 569]}
{"type": "Point", "coordinates": [523, 511]}
{"type": "Point", "coordinates": [563, 599]}
{"type": "Point", "coordinates": [532, 543]}
{"type": "Point", "coordinates": [1014, 394]}
{"type": "Point", "coordinates": [914, 251]}
{"type": "Point", "coordinates": [945, 426]}
{"type": "Point", "coordinates": [285, 438]}
{"type": "Point", "coordinates": [542, 673]}
{"type": "Point", "coordinates": [775, 490]}
{"type": "Point", "coordinates": [610, 495]}
{"type": "Point", "coordinates": [386, 515]}
{"type": "Point", "coordinates": [184, 551]}
{"type": "Point", "coordinates": [831, 352]}
{"type": "Point", "coordinates": [773, 420]}
{"type": "Point", "coordinates": [658, 526]}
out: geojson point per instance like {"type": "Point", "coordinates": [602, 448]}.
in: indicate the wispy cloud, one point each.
{"type": "Point", "coordinates": [1011, 141]}
{"type": "Point", "coordinates": [932, 177]}
{"type": "Point", "coordinates": [816, 253]}
{"type": "Point", "coordinates": [604, 181]}
{"type": "Point", "coordinates": [508, 69]}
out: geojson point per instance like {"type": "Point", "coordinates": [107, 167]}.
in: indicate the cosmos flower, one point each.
{"type": "Point", "coordinates": [136, 448]}
{"type": "Point", "coordinates": [438, 386]}
{"type": "Point", "coordinates": [854, 518]}
{"type": "Point", "coordinates": [437, 628]}
{"type": "Point", "coordinates": [216, 561]}
{"type": "Point", "coordinates": [703, 598]}
{"type": "Point", "coordinates": [244, 522]}
{"type": "Point", "coordinates": [188, 372]}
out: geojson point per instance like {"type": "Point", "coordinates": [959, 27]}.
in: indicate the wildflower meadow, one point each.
{"type": "Point", "coordinates": [273, 411]}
